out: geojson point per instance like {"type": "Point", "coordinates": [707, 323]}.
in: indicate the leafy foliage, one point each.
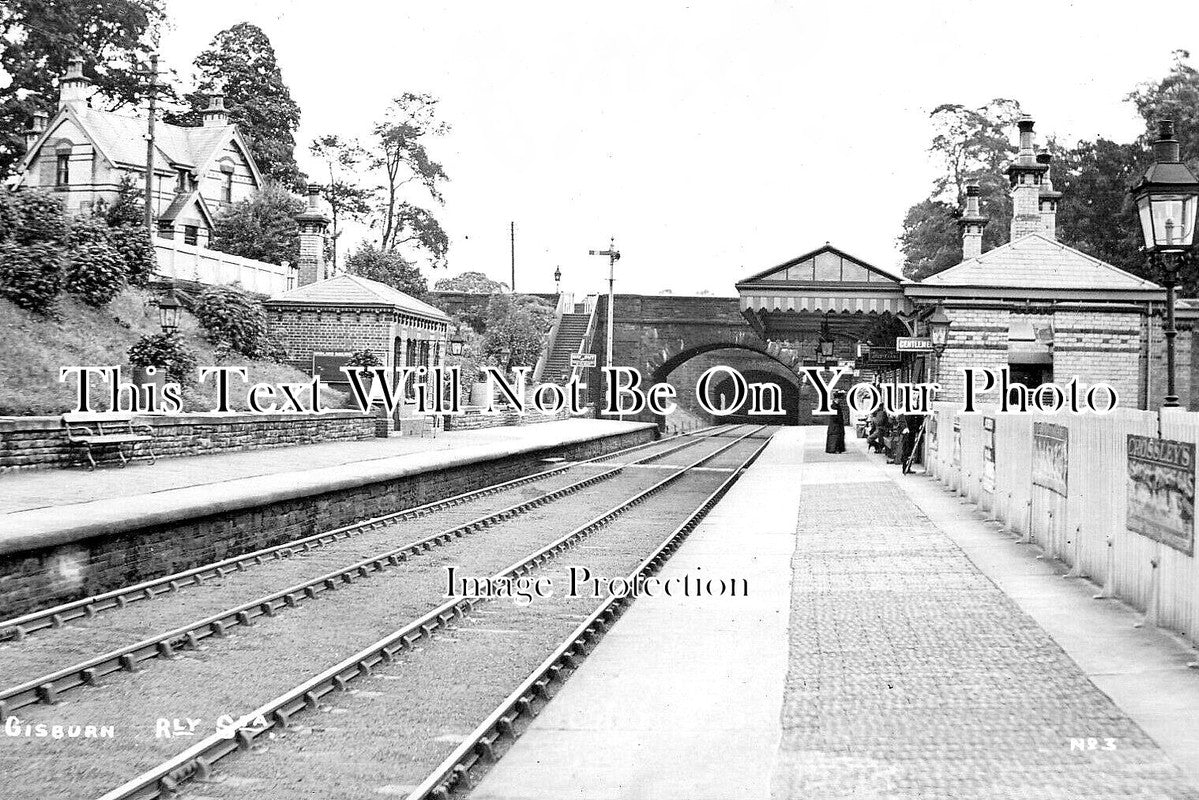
{"type": "Point", "coordinates": [347, 199]}
{"type": "Point", "coordinates": [29, 216]}
{"type": "Point", "coordinates": [365, 359]}
{"type": "Point", "coordinates": [95, 270]}
{"type": "Point", "coordinates": [165, 351]}
{"type": "Point", "coordinates": [136, 249]}
{"type": "Point", "coordinates": [231, 317]}
{"type": "Point", "coordinates": [471, 283]}
{"type": "Point", "coordinates": [262, 227]}
{"type": "Point", "coordinates": [242, 60]}
{"type": "Point", "coordinates": [399, 151]}
{"type": "Point", "coordinates": [113, 37]}
{"type": "Point", "coordinates": [389, 267]}
{"type": "Point", "coordinates": [519, 323]}
{"type": "Point", "coordinates": [30, 274]}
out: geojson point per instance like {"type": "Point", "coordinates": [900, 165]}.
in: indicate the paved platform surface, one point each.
{"type": "Point", "coordinates": [925, 656]}
{"type": "Point", "coordinates": [42, 500]}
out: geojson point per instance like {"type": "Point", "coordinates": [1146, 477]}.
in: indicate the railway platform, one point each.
{"type": "Point", "coordinates": [893, 644]}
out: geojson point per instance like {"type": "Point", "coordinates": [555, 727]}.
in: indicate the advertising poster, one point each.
{"type": "Point", "coordinates": [1161, 491]}
{"type": "Point", "coordinates": [989, 454]}
{"type": "Point", "coordinates": [1051, 457]}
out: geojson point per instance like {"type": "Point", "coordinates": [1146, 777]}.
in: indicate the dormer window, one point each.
{"type": "Point", "coordinates": [62, 172]}
{"type": "Point", "coordinates": [183, 181]}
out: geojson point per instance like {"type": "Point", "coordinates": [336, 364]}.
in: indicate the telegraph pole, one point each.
{"type": "Point", "coordinates": [149, 213]}
{"type": "Point", "coordinates": [613, 256]}
{"type": "Point", "coordinates": [512, 249]}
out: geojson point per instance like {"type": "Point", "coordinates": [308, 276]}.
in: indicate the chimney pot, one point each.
{"type": "Point", "coordinates": [1166, 148]}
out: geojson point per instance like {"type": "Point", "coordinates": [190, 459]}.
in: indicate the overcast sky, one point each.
{"type": "Point", "coordinates": [712, 140]}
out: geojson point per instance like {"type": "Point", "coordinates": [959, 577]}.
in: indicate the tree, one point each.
{"type": "Point", "coordinates": [470, 283]}
{"type": "Point", "coordinates": [40, 37]}
{"type": "Point", "coordinates": [262, 227]}
{"type": "Point", "coordinates": [1096, 213]}
{"type": "Point", "coordinates": [242, 61]}
{"type": "Point", "coordinates": [389, 267]}
{"type": "Point", "coordinates": [399, 152]}
{"type": "Point", "coordinates": [518, 323]}
{"type": "Point", "coordinates": [1174, 97]}
{"type": "Point", "coordinates": [973, 145]}
{"type": "Point", "coordinates": [347, 199]}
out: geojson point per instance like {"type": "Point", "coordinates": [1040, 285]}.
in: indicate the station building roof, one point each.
{"type": "Point", "coordinates": [353, 291]}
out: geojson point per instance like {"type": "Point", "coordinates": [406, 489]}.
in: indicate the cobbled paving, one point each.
{"type": "Point", "coordinates": [913, 676]}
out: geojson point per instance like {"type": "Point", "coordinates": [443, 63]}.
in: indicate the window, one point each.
{"type": "Point", "coordinates": [63, 173]}
{"type": "Point", "coordinates": [191, 234]}
{"type": "Point", "coordinates": [227, 187]}
{"type": "Point", "coordinates": [181, 181]}
{"type": "Point", "coordinates": [165, 229]}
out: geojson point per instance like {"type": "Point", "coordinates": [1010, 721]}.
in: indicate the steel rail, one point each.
{"type": "Point", "coordinates": [480, 745]}
{"type": "Point", "coordinates": [49, 687]}
{"type": "Point", "coordinates": [196, 761]}
{"type": "Point", "coordinates": [17, 628]}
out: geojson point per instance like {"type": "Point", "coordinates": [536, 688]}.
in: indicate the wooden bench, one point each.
{"type": "Point", "coordinates": [91, 430]}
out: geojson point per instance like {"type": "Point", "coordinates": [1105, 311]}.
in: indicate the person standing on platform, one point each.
{"type": "Point", "coordinates": [834, 441]}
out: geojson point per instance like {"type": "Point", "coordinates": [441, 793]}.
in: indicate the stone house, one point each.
{"type": "Point", "coordinates": [82, 154]}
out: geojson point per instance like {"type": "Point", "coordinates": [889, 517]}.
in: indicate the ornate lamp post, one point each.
{"type": "Point", "coordinates": [558, 280]}
{"type": "Point", "coordinates": [824, 347]}
{"type": "Point", "coordinates": [938, 331]}
{"type": "Point", "coordinates": [505, 355]}
{"type": "Point", "coordinates": [168, 310]}
{"type": "Point", "coordinates": [1166, 196]}
{"type": "Point", "coordinates": [456, 344]}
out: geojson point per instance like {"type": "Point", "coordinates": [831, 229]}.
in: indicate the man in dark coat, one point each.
{"type": "Point", "coordinates": [834, 440]}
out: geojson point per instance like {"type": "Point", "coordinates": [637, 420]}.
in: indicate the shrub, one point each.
{"type": "Point", "coordinates": [231, 316]}
{"type": "Point", "coordinates": [95, 270]}
{"type": "Point", "coordinates": [165, 351]}
{"type": "Point", "coordinates": [32, 217]}
{"type": "Point", "coordinates": [365, 359]}
{"type": "Point", "coordinates": [137, 250]}
{"type": "Point", "coordinates": [30, 275]}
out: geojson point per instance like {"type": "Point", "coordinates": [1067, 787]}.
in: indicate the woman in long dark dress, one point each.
{"type": "Point", "coordinates": [834, 440]}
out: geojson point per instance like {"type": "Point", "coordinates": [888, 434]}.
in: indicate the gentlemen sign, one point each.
{"type": "Point", "coordinates": [1161, 491]}
{"type": "Point", "coordinates": [913, 344]}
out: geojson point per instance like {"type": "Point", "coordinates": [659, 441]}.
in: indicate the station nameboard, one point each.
{"type": "Point", "coordinates": [582, 359]}
{"type": "Point", "coordinates": [913, 344]}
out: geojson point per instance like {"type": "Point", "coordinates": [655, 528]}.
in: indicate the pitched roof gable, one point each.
{"type": "Point", "coordinates": [1037, 262]}
{"type": "Point", "coordinates": [121, 140]}
{"type": "Point", "coordinates": [354, 290]}
{"type": "Point", "coordinates": [779, 271]}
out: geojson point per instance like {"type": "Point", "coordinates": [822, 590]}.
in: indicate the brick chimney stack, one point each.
{"type": "Point", "coordinates": [37, 126]}
{"type": "Point", "coordinates": [972, 224]}
{"type": "Point", "coordinates": [74, 86]}
{"type": "Point", "coordinates": [1025, 174]}
{"type": "Point", "coordinates": [1048, 199]}
{"type": "Point", "coordinates": [214, 115]}
{"type": "Point", "coordinates": [313, 224]}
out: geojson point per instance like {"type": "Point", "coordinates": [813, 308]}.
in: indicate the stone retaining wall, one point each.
{"type": "Point", "coordinates": [41, 442]}
{"type": "Point", "coordinates": [38, 578]}
{"type": "Point", "coordinates": [470, 421]}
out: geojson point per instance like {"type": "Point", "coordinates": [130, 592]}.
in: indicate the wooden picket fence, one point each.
{"type": "Point", "coordinates": [1083, 526]}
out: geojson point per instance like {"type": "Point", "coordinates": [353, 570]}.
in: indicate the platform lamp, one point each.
{"type": "Point", "coordinates": [825, 347]}
{"type": "Point", "coordinates": [456, 343]}
{"type": "Point", "coordinates": [168, 310]}
{"type": "Point", "coordinates": [557, 280]}
{"type": "Point", "coordinates": [505, 355]}
{"type": "Point", "coordinates": [938, 331]}
{"type": "Point", "coordinates": [1166, 196]}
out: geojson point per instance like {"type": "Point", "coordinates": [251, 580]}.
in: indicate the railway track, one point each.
{"type": "Point", "coordinates": [55, 617]}
{"type": "Point", "coordinates": [449, 636]}
{"type": "Point", "coordinates": [290, 581]}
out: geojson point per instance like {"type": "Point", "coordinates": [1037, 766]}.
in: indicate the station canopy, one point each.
{"type": "Point", "coordinates": [826, 290]}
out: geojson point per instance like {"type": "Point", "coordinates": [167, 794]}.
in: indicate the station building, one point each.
{"type": "Point", "coordinates": [1044, 310]}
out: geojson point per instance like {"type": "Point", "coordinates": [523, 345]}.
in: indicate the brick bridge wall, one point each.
{"type": "Point", "coordinates": [654, 333]}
